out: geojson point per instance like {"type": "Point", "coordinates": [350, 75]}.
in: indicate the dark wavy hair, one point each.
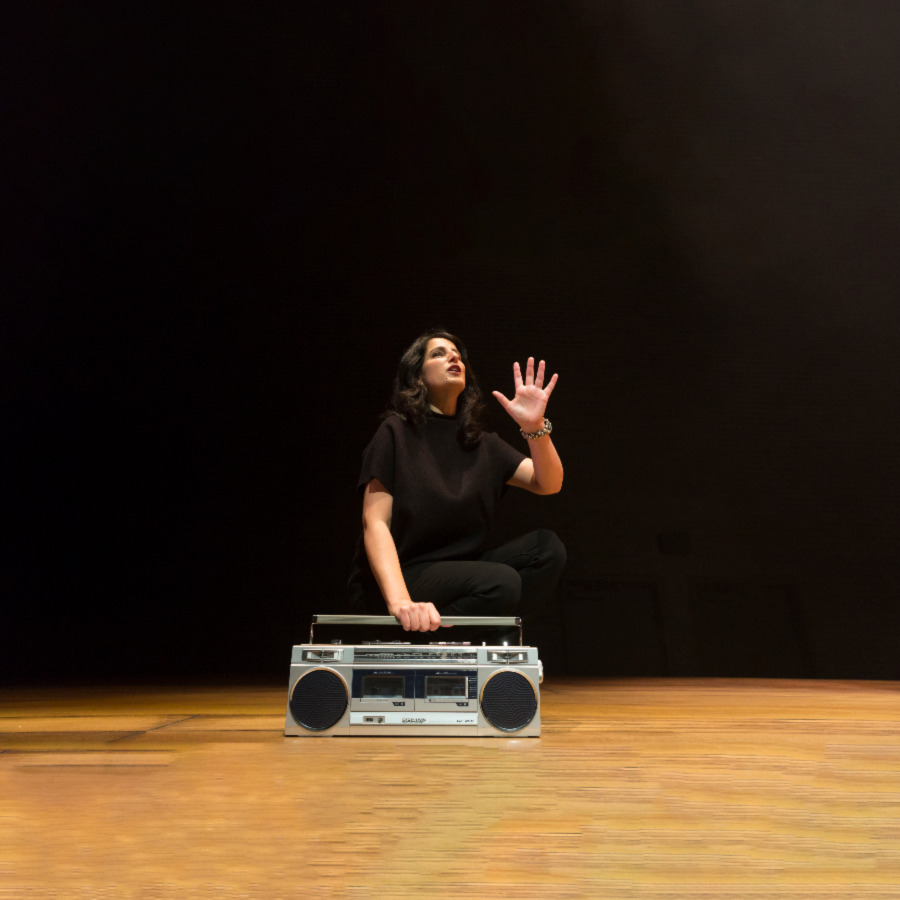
{"type": "Point", "coordinates": [409, 398]}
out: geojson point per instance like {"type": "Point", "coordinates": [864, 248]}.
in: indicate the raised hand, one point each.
{"type": "Point", "coordinates": [530, 400]}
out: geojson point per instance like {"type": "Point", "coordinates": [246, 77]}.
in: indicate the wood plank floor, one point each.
{"type": "Point", "coordinates": [645, 788]}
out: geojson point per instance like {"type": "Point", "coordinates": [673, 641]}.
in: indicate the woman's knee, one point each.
{"type": "Point", "coordinates": [496, 592]}
{"type": "Point", "coordinates": [505, 590]}
{"type": "Point", "coordinates": [551, 549]}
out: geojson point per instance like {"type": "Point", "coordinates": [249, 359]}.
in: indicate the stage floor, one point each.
{"type": "Point", "coordinates": [650, 788]}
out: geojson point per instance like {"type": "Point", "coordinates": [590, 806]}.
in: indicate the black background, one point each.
{"type": "Point", "coordinates": [224, 222]}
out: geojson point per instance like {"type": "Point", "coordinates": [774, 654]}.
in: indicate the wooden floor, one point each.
{"type": "Point", "coordinates": [637, 788]}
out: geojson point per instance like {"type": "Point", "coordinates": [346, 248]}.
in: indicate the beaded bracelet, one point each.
{"type": "Point", "coordinates": [534, 435]}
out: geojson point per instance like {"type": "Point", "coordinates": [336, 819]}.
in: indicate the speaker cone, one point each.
{"type": "Point", "coordinates": [508, 700]}
{"type": "Point", "coordinates": [318, 699]}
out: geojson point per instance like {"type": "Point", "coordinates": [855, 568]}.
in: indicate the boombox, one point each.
{"type": "Point", "coordinates": [421, 690]}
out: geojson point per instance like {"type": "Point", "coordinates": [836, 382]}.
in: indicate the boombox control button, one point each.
{"type": "Point", "coordinates": [323, 654]}
{"type": "Point", "coordinates": [508, 656]}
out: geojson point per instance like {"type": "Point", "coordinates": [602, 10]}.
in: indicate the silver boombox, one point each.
{"type": "Point", "coordinates": [438, 689]}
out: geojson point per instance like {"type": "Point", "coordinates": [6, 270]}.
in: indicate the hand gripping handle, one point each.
{"type": "Point", "coordinates": [490, 621]}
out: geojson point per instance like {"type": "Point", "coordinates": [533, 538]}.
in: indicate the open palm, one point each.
{"type": "Point", "coordinates": [530, 400]}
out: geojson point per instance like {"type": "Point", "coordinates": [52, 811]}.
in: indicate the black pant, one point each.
{"type": "Point", "coordinates": [516, 578]}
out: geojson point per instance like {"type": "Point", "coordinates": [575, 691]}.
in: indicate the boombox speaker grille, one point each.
{"type": "Point", "coordinates": [318, 699]}
{"type": "Point", "coordinates": [508, 700]}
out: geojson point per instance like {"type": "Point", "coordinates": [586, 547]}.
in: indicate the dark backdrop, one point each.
{"type": "Point", "coordinates": [223, 223]}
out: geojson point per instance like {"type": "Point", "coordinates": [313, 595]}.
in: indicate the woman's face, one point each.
{"type": "Point", "coordinates": [443, 371]}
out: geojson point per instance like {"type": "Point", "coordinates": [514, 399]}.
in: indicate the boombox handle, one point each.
{"type": "Point", "coordinates": [490, 621]}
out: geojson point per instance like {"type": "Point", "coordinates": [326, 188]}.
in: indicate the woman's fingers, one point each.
{"type": "Point", "coordinates": [420, 617]}
{"type": "Point", "coordinates": [417, 616]}
{"type": "Point", "coordinates": [551, 384]}
{"type": "Point", "coordinates": [532, 376]}
{"type": "Point", "coordinates": [529, 391]}
{"type": "Point", "coordinates": [504, 402]}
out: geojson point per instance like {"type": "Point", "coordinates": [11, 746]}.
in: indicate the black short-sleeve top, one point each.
{"type": "Point", "coordinates": [444, 495]}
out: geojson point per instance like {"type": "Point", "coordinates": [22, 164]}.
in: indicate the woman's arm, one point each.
{"type": "Point", "coordinates": [381, 550]}
{"type": "Point", "coordinates": [543, 473]}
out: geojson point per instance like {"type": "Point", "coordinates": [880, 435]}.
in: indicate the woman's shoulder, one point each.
{"type": "Point", "coordinates": [391, 426]}
{"type": "Point", "coordinates": [392, 421]}
{"type": "Point", "coordinates": [498, 446]}
{"type": "Point", "coordinates": [491, 438]}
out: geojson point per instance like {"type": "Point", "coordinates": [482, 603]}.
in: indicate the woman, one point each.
{"type": "Point", "coordinates": [431, 478]}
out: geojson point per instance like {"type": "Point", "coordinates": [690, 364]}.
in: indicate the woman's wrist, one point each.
{"type": "Point", "coordinates": [394, 605]}
{"type": "Point", "coordinates": [539, 432]}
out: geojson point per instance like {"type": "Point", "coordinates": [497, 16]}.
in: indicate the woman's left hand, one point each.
{"type": "Point", "coordinates": [530, 401]}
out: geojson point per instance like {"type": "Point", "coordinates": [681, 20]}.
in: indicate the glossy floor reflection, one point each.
{"type": "Point", "coordinates": [637, 788]}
